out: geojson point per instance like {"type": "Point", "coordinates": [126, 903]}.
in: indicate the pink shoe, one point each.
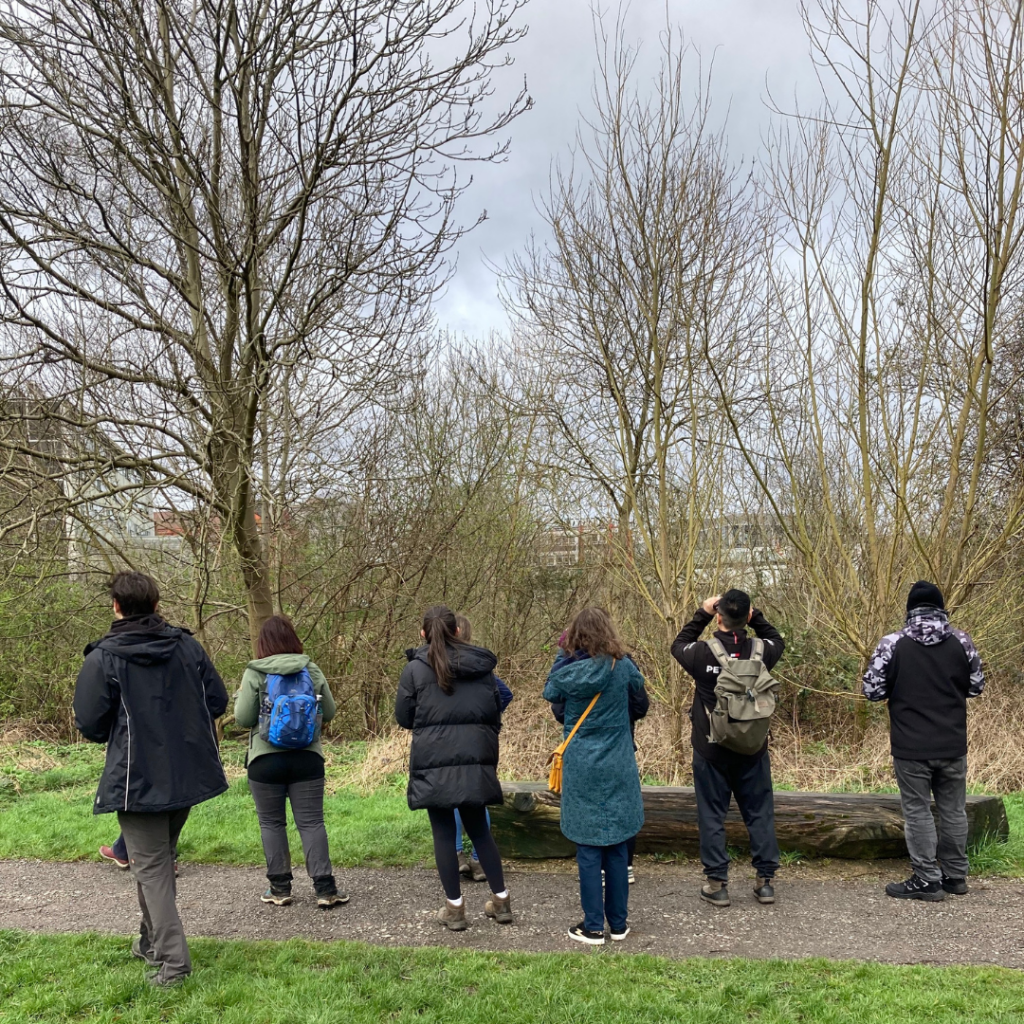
{"type": "Point", "coordinates": [107, 853]}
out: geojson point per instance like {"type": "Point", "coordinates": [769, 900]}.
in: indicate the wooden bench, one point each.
{"type": "Point", "coordinates": [850, 825]}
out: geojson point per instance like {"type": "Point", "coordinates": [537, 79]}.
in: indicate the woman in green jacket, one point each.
{"type": "Point", "coordinates": [277, 774]}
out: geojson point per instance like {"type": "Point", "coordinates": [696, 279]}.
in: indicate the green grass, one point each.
{"type": "Point", "coordinates": [50, 979]}
{"type": "Point", "coordinates": [46, 795]}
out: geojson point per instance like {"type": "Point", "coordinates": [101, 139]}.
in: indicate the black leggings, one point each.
{"type": "Point", "coordinates": [474, 820]}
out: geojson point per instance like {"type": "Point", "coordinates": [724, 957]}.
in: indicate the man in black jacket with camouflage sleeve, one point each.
{"type": "Point", "coordinates": [149, 691]}
{"type": "Point", "coordinates": [926, 672]}
{"type": "Point", "coordinates": [720, 773]}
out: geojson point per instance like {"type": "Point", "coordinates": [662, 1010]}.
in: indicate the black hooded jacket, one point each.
{"type": "Point", "coordinates": [695, 656]}
{"type": "Point", "coordinates": [150, 692]}
{"type": "Point", "coordinates": [454, 758]}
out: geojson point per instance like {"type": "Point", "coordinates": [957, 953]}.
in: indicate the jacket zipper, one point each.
{"type": "Point", "coordinates": [128, 766]}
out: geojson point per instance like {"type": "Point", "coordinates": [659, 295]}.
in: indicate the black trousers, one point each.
{"type": "Point", "coordinates": [474, 820]}
{"type": "Point", "coordinates": [751, 783]}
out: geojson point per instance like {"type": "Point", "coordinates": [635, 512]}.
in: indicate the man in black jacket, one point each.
{"type": "Point", "coordinates": [718, 773]}
{"type": "Point", "coordinates": [926, 672]}
{"type": "Point", "coordinates": [150, 692]}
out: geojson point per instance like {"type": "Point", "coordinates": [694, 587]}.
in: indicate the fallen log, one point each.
{"type": "Point", "coordinates": [850, 825]}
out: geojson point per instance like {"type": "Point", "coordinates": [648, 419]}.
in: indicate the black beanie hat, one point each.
{"type": "Point", "coordinates": [923, 592]}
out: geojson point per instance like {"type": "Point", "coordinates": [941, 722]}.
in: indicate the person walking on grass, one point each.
{"type": "Point", "coordinates": [927, 671]}
{"type": "Point", "coordinates": [149, 691]}
{"type": "Point", "coordinates": [601, 808]}
{"type": "Point", "coordinates": [639, 705]}
{"type": "Point", "coordinates": [287, 766]}
{"type": "Point", "coordinates": [719, 774]}
{"type": "Point", "coordinates": [448, 697]}
{"type": "Point", "coordinates": [470, 867]}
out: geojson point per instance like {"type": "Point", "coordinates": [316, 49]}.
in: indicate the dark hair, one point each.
{"type": "Point", "coordinates": [277, 636]}
{"type": "Point", "coordinates": [465, 629]}
{"type": "Point", "coordinates": [135, 593]}
{"type": "Point", "coordinates": [734, 607]}
{"type": "Point", "coordinates": [593, 631]}
{"type": "Point", "coordinates": [439, 628]}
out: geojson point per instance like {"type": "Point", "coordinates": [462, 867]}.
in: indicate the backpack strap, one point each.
{"type": "Point", "coordinates": [757, 651]}
{"type": "Point", "coordinates": [716, 648]}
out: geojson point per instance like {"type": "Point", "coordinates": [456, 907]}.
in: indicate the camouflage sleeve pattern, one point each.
{"type": "Point", "coordinates": [974, 659]}
{"type": "Point", "coordinates": [876, 682]}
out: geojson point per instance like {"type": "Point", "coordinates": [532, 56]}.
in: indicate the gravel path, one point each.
{"type": "Point", "coordinates": [840, 918]}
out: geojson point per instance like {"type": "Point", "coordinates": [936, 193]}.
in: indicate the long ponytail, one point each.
{"type": "Point", "coordinates": [440, 630]}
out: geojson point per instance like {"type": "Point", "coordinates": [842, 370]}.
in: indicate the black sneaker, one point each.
{"type": "Point", "coordinates": [763, 891]}
{"type": "Point", "coordinates": [915, 888]}
{"type": "Point", "coordinates": [580, 934]}
{"type": "Point", "coordinates": [955, 886]}
{"type": "Point", "coordinates": [715, 892]}
{"type": "Point", "coordinates": [279, 897]}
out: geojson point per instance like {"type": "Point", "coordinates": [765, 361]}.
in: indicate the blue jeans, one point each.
{"type": "Point", "coordinates": [614, 861]}
{"type": "Point", "coordinates": [751, 783]}
{"type": "Point", "coordinates": [458, 832]}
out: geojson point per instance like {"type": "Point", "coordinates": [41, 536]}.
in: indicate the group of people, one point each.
{"type": "Point", "coordinates": [150, 692]}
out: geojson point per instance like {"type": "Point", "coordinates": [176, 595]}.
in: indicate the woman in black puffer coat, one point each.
{"type": "Point", "coordinates": [448, 697]}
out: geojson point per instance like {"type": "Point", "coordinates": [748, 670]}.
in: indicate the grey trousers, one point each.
{"type": "Point", "coordinates": [946, 781]}
{"type": "Point", "coordinates": [307, 800]}
{"type": "Point", "coordinates": [151, 840]}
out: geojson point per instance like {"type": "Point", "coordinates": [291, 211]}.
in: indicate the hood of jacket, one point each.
{"type": "Point", "coordinates": [585, 676]}
{"type": "Point", "coordinates": [280, 664]}
{"type": "Point", "coordinates": [927, 625]}
{"type": "Point", "coordinates": [467, 661]}
{"type": "Point", "coordinates": [147, 641]}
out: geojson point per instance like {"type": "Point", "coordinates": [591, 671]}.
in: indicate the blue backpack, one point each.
{"type": "Point", "coordinates": [290, 714]}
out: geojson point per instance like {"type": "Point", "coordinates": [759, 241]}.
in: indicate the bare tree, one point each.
{"type": "Point", "coordinates": [200, 202]}
{"type": "Point", "coordinates": [652, 238]}
{"type": "Point", "coordinates": [891, 289]}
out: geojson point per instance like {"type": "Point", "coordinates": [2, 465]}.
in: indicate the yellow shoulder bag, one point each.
{"type": "Point", "coordinates": [555, 759]}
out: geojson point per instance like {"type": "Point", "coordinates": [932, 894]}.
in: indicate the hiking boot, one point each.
{"type": "Point", "coordinates": [580, 934]}
{"type": "Point", "coordinates": [139, 955]}
{"type": "Point", "coordinates": [326, 900]}
{"type": "Point", "coordinates": [954, 886]}
{"type": "Point", "coordinates": [279, 897]}
{"type": "Point", "coordinates": [478, 874]}
{"type": "Point", "coordinates": [763, 891]}
{"type": "Point", "coordinates": [915, 888]}
{"type": "Point", "coordinates": [618, 936]}
{"type": "Point", "coordinates": [499, 909]}
{"type": "Point", "coordinates": [629, 874]}
{"type": "Point", "coordinates": [715, 892]}
{"type": "Point", "coordinates": [107, 853]}
{"type": "Point", "coordinates": [465, 868]}
{"type": "Point", "coordinates": [156, 981]}
{"type": "Point", "coordinates": [452, 917]}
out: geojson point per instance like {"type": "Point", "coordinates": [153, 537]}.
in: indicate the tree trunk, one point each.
{"type": "Point", "coordinates": [850, 825]}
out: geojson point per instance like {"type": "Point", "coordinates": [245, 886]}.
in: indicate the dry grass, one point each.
{"type": "Point", "coordinates": [995, 735]}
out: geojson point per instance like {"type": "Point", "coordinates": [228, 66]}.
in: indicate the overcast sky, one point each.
{"type": "Point", "coordinates": [752, 41]}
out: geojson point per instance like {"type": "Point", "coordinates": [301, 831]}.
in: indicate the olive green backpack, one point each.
{"type": "Point", "coordinates": [746, 700]}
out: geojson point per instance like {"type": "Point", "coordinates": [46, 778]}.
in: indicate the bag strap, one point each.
{"type": "Point", "coordinates": [757, 651]}
{"type": "Point", "coordinates": [716, 648]}
{"type": "Point", "coordinates": [579, 722]}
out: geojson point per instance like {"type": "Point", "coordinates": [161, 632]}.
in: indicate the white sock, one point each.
{"type": "Point", "coordinates": [501, 895]}
{"type": "Point", "coordinates": [456, 903]}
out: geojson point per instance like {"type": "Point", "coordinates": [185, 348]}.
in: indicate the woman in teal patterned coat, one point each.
{"type": "Point", "coordinates": [601, 803]}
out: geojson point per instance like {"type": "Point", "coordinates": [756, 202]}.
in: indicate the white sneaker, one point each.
{"type": "Point", "coordinates": [619, 936]}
